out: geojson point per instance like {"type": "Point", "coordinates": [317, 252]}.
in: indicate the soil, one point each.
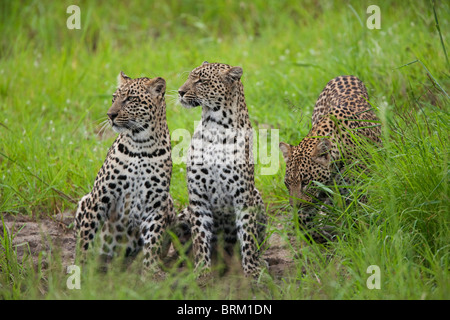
{"type": "Point", "coordinates": [41, 239]}
{"type": "Point", "coordinates": [45, 238]}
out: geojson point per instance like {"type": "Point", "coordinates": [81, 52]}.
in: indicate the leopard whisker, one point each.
{"type": "Point", "coordinates": [173, 98]}
{"type": "Point", "coordinates": [172, 91]}
{"type": "Point", "coordinates": [104, 125]}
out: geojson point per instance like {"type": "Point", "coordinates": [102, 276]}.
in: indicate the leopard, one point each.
{"type": "Point", "coordinates": [341, 117]}
{"type": "Point", "coordinates": [223, 200]}
{"type": "Point", "coordinates": [129, 209]}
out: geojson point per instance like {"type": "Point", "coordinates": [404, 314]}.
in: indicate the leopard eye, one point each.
{"type": "Point", "coordinates": [203, 81]}
{"type": "Point", "coordinates": [113, 98]}
{"type": "Point", "coordinates": [132, 99]}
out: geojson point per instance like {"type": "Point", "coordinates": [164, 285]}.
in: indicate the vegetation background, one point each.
{"type": "Point", "coordinates": [56, 86]}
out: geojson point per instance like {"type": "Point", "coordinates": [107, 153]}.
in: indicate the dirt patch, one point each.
{"type": "Point", "coordinates": [279, 256]}
{"type": "Point", "coordinates": [41, 239]}
{"type": "Point", "coordinates": [52, 237]}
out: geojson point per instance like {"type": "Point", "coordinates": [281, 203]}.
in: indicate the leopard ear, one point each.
{"type": "Point", "coordinates": [122, 78]}
{"type": "Point", "coordinates": [322, 152]}
{"type": "Point", "coordinates": [286, 150]}
{"type": "Point", "coordinates": [233, 74]}
{"type": "Point", "coordinates": [205, 62]}
{"type": "Point", "coordinates": [156, 86]}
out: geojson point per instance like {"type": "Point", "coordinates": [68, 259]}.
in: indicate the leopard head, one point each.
{"type": "Point", "coordinates": [309, 161]}
{"type": "Point", "coordinates": [135, 103]}
{"type": "Point", "coordinates": [209, 85]}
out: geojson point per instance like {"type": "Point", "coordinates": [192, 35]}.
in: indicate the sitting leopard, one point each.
{"type": "Point", "coordinates": [341, 110]}
{"type": "Point", "coordinates": [220, 169]}
{"type": "Point", "coordinates": [130, 207]}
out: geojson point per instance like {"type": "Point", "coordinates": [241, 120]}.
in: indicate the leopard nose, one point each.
{"type": "Point", "coordinates": [112, 115]}
{"type": "Point", "coordinates": [181, 93]}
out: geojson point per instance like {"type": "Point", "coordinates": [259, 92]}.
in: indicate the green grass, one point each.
{"type": "Point", "coordinates": [56, 86]}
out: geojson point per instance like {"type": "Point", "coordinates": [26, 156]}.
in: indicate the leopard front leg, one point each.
{"type": "Point", "coordinates": [311, 221]}
{"type": "Point", "coordinates": [86, 224]}
{"type": "Point", "coordinates": [201, 220]}
{"type": "Point", "coordinates": [247, 232]}
{"type": "Point", "coordinates": [261, 219]}
{"type": "Point", "coordinates": [154, 236]}
{"type": "Point", "coordinates": [183, 226]}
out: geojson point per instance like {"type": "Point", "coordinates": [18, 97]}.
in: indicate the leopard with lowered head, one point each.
{"type": "Point", "coordinates": [129, 207]}
{"type": "Point", "coordinates": [342, 112]}
{"type": "Point", "coordinates": [220, 169]}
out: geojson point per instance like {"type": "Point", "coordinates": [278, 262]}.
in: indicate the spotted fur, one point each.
{"type": "Point", "coordinates": [130, 207]}
{"type": "Point", "coordinates": [341, 112]}
{"type": "Point", "coordinates": [220, 169]}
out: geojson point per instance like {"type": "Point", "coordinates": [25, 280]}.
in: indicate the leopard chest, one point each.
{"type": "Point", "coordinates": [216, 162]}
{"type": "Point", "coordinates": [134, 179]}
